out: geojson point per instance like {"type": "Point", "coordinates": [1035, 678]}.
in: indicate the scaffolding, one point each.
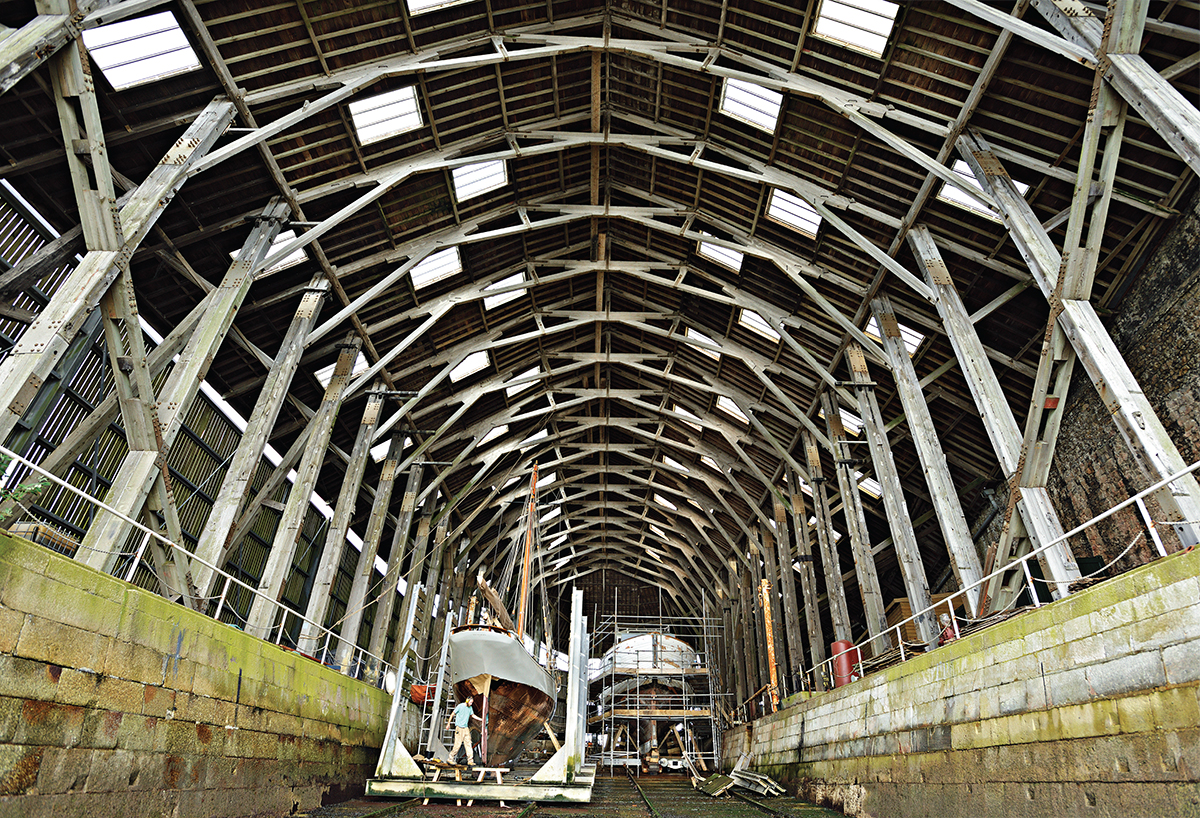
{"type": "Point", "coordinates": [657, 707]}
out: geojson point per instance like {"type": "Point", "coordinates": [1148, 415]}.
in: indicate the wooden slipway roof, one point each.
{"type": "Point", "coordinates": [620, 360]}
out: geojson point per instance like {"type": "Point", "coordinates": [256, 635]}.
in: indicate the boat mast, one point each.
{"type": "Point", "coordinates": [527, 559]}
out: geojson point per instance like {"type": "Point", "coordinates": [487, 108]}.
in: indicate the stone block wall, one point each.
{"type": "Point", "coordinates": [1087, 706]}
{"type": "Point", "coordinates": [114, 701]}
{"type": "Point", "coordinates": [1156, 331]}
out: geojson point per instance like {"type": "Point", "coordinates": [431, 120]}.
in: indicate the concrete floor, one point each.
{"type": "Point", "coordinates": [671, 795]}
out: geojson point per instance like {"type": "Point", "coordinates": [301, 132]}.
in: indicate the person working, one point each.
{"type": "Point", "coordinates": [461, 716]}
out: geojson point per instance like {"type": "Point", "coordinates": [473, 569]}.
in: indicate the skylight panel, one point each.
{"type": "Point", "coordinates": [535, 437]}
{"type": "Point", "coordinates": [386, 114]}
{"type": "Point", "coordinates": [562, 538]}
{"type": "Point", "coordinates": [952, 194]}
{"type": "Point", "coordinates": [379, 450]}
{"type": "Point", "coordinates": [861, 24]}
{"type": "Point", "coordinates": [756, 323]}
{"type": "Point", "coordinates": [793, 212]}
{"type": "Point", "coordinates": [751, 103]}
{"type": "Point", "coordinates": [469, 365]}
{"type": "Point", "coordinates": [675, 464]}
{"type": "Point", "coordinates": [730, 408]}
{"type": "Point", "coordinates": [701, 342]}
{"type": "Point", "coordinates": [492, 301]}
{"type": "Point", "coordinates": [658, 531]}
{"type": "Point", "coordinates": [435, 267]}
{"type": "Point", "coordinates": [547, 479]}
{"type": "Point", "coordinates": [869, 485]}
{"type": "Point", "coordinates": [550, 515]}
{"type": "Point", "coordinates": [520, 387]}
{"type": "Point", "coordinates": [479, 178]}
{"type": "Point", "coordinates": [721, 255]}
{"type": "Point", "coordinates": [325, 374]}
{"type": "Point", "coordinates": [141, 50]}
{"type": "Point", "coordinates": [294, 257]}
{"type": "Point", "coordinates": [911, 338]}
{"type": "Point", "coordinates": [693, 420]}
{"type": "Point", "coordinates": [421, 6]}
{"type": "Point", "coordinates": [495, 432]}
{"type": "Point", "coordinates": [663, 501]}
{"type": "Point", "coordinates": [708, 461]}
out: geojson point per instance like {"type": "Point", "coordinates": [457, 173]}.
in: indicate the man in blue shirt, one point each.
{"type": "Point", "coordinates": [461, 716]}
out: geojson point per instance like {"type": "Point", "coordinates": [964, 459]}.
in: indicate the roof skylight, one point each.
{"type": "Point", "coordinates": [793, 211]}
{"type": "Point", "coordinates": [751, 103]}
{"type": "Point", "coordinates": [756, 323]}
{"type": "Point", "coordinates": [675, 464]}
{"type": "Point", "coordinates": [658, 531]}
{"type": "Point", "coordinates": [708, 461]}
{"type": "Point", "coordinates": [730, 408]}
{"type": "Point", "coordinates": [541, 434]}
{"type": "Point", "coordinates": [494, 433]}
{"type": "Point", "coordinates": [550, 515]}
{"type": "Point", "coordinates": [663, 501]}
{"type": "Point", "coordinates": [479, 178]}
{"type": "Point", "coordinates": [436, 266]}
{"type": "Point", "coordinates": [519, 387]}
{"type": "Point", "coordinates": [294, 257]}
{"type": "Point", "coordinates": [493, 301]}
{"type": "Point", "coordinates": [386, 114]}
{"type": "Point", "coordinates": [952, 194]}
{"type": "Point", "coordinates": [379, 450]}
{"type": "Point", "coordinates": [692, 419]}
{"type": "Point", "coordinates": [911, 338]}
{"type": "Point", "coordinates": [141, 50]}
{"type": "Point", "coordinates": [469, 365]}
{"type": "Point", "coordinates": [869, 484]}
{"type": "Point", "coordinates": [722, 255]}
{"type": "Point", "coordinates": [421, 6]}
{"type": "Point", "coordinates": [861, 24]}
{"type": "Point", "coordinates": [325, 374]}
{"type": "Point", "coordinates": [701, 342]}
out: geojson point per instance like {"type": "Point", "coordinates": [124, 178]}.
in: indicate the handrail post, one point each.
{"type": "Point", "coordinates": [137, 558]}
{"type": "Point", "coordinates": [1029, 579]}
{"type": "Point", "coordinates": [221, 601]}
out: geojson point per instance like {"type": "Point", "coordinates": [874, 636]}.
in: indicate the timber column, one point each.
{"type": "Point", "coordinates": [904, 539]}
{"type": "Point", "coordinates": [335, 540]}
{"type": "Point", "coordinates": [839, 612]}
{"type": "Point", "coordinates": [856, 524]}
{"type": "Point", "coordinates": [291, 524]}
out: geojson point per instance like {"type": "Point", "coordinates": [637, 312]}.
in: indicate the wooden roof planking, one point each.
{"type": "Point", "coordinates": [619, 161]}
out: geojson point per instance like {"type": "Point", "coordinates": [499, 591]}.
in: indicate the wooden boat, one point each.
{"type": "Point", "coordinates": [514, 695]}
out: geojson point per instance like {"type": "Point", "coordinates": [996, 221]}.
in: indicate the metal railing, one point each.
{"type": "Point", "coordinates": [361, 665]}
{"type": "Point", "coordinates": [1022, 562]}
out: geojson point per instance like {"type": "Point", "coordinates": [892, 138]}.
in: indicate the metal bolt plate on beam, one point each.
{"type": "Point", "coordinates": [889, 325]}
{"type": "Point", "coordinates": [858, 361]}
{"type": "Point", "coordinates": [990, 164]}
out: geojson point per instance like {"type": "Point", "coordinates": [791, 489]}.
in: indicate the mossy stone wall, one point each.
{"type": "Point", "coordinates": [1087, 706]}
{"type": "Point", "coordinates": [114, 701]}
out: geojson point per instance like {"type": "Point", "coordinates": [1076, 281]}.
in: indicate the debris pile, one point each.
{"type": "Point", "coordinates": [719, 783]}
